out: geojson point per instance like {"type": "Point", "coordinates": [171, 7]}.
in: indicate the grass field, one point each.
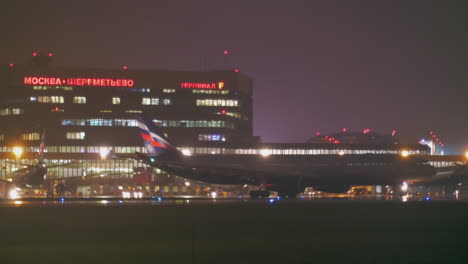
{"type": "Point", "coordinates": [313, 232]}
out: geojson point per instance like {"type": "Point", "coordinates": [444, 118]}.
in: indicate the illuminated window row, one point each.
{"type": "Point", "coordinates": [76, 135]}
{"type": "Point", "coordinates": [233, 114]}
{"type": "Point", "coordinates": [80, 149]}
{"type": "Point", "coordinates": [155, 101]}
{"type": "Point", "coordinates": [134, 123]}
{"type": "Point", "coordinates": [203, 151]}
{"type": "Point", "coordinates": [45, 88]}
{"type": "Point", "coordinates": [30, 136]}
{"type": "Point", "coordinates": [11, 111]}
{"type": "Point", "coordinates": [207, 91]}
{"type": "Point", "coordinates": [51, 99]}
{"type": "Point", "coordinates": [169, 90]}
{"type": "Point", "coordinates": [117, 169]}
{"type": "Point", "coordinates": [211, 137]}
{"type": "Point", "coordinates": [217, 102]}
{"type": "Point", "coordinates": [79, 100]}
{"type": "Point", "coordinates": [2, 137]}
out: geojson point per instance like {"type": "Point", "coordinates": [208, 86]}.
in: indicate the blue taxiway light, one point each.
{"type": "Point", "coordinates": [427, 198]}
{"type": "Point", "coordinates": [159, 199]}
{"type": "Point", "coordinates": [120, 201]}
{"type": "Point", "coordinates": [272, 200]}
{"type": "Point", "coordinates": [62, 199]}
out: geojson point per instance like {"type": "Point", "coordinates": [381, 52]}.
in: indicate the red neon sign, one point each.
{"type": "Point", "coordinates": [194, 85]}
{"type": "Point", "coordinates": [79, 81]}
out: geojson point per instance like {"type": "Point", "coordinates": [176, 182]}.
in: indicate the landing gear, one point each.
{"type": "Point", "coordinates": [50, 194]}
{"type": "Point", "coordinates": [259, 194]}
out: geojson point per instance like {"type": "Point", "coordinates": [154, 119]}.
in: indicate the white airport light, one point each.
{"type": "Point", "coordinates": [404, 186]}
{"type": "Point", "coordinates": [187, 183]}
{"type": "Point", "coordinates": [404, 153]}
{"type": "Point", "coordinates": [265, 152]}
{"type": "Point", "coordinates": [186, 152]}
{"type": "Point", "coordinates": [18, 151]}
{"type": "Point", "coordinates": [14, 194]}
{"type": "Point", "coordinates": [213, 195]}
{"type": "Point", "coordinates": [341, 153]}
{"type": "Point", "coordinates": [466, 154]}
{"type": "Point", "coordinates": [103, 152]}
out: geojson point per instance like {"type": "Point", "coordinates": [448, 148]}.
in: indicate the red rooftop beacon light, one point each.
{"type": "Point", "coordinates": [236, 70]}
{"type": "Point", "coordinates": [34, 54]}
{"type": "Point", "coordinates": [125, 67]}
{"type": "Point", "coordinates": [11, 65]}
{"type": "Point", "coordinates": [344, 129]}
{"type": "Point", "coordinates": [50, 54]}
{"type": "Point", "coordinates": [317, 134]}
{"type": "Point", "coordinates": [226, 52]}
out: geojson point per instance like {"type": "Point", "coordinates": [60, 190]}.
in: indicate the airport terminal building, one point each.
{"type": "Point", "coordinates": [88, 112]}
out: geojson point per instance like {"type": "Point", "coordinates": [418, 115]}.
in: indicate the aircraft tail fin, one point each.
{"type": "Point", "coordinates": [155, 142]}
{"type": "Point", "coordinates": [42, 147]}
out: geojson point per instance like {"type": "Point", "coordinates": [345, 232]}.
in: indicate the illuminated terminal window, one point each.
{"type": "Point", "coordinates": [169, 90]}
{"type": "Point", "coordinates": [149, 101]}
{"type": "Point", "coordinates": [217, 102]}
{"type": "Point", "coordinates": [2, 137]}
{"type": "Point", "coordinates": [133, 111]}
{"type": "Point", "coordinates": [167, 102]}
{"type": "Point", "coordinates": [11, 111]}
{"type": "Point", "coordinates": [30, 136]}
{"type": "Point", "coordinates": [105, 111]}
{"type": "Point", "coordinates": [211, 137]}
{"type": "Point", "coordinates": [115, 100]}
{"type": "Point", "coordinates": [50, 99]}
{"type": "Point", "coordinates": [207, 91]}
{"type": "Point", "coordinates": [45, 88]}
{"type": "Point", "coordinates": [76, 135]}
{"type": "Point", "coordinates": [233, 114]}
{"type": "Point", "coordinates": [79, 100]}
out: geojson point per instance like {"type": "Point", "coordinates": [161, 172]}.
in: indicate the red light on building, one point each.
{"type": "Point", "coordinates": [226, 52]}
{"type": "Point", "coordinates": [11, 65]}
{"type": "Point", "coordinates": [431, 132]}
{"type": "Point", "coordinates": [344, 129]}
{"type": "Point", "coordinates": [223, 111]}
{"type": "Point", "coordinates": [366, 131]}
{"type": "Point", "coordinates": [124, 67]}
{"type": "Point", "coordinates": [317, 134]}
{"type": "Point", "coordinates": [57, 109]}
{"type": "Point", "coordinates": [50, 54]}
{"type": "Point", "coordinates": [393, 132]}
{"type": "Point", "coordinates": [236, 70]}
{"type": "Point", "coordinates": [35, 54]}
{"type": "Point", "coordinates": [337, 142]}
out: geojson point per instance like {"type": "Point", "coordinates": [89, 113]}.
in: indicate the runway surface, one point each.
{"type": "Point", "coordinates": [187, 230]}
{"type": "Point", "coordinates": [188, 200]}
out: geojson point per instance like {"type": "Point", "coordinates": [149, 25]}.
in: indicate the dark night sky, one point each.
{"type": "Point", "coordinates": [317, 65]}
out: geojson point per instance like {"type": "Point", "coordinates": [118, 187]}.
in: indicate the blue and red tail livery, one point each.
{"type": "Point", "coordinates": [155, 141]}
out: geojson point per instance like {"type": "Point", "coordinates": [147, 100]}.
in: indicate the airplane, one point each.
{"type": "Point", "coordinates": [286, 175]}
